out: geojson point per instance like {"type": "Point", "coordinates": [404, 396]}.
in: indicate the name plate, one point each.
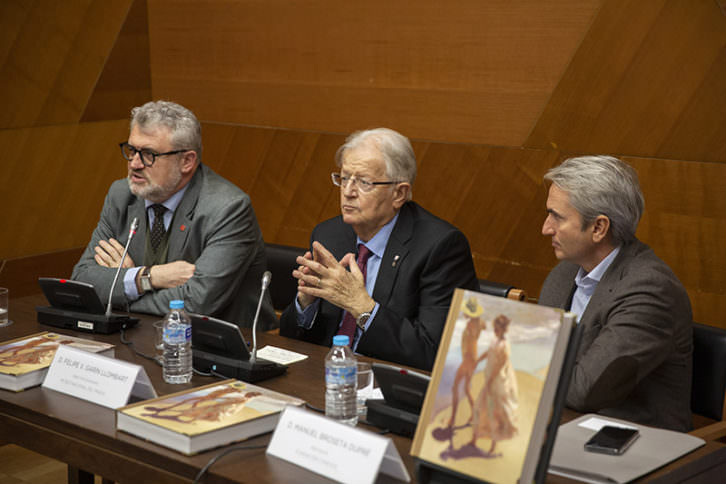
{"type": "Point", "coordinates": [334, 450]}
{"type": "Point", "coordinates": [96, 378]}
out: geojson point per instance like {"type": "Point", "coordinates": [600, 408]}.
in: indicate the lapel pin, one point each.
{"type": "Point", "coordinates": [183, 228]}
{"type": "Point", "coordinates": [395, 260]}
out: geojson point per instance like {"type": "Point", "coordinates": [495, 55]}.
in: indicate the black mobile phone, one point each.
{"type": "Point", "coordinates": [612, 440]}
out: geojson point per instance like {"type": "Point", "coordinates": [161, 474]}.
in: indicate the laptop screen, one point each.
{"type": "Point", "coordinates": [218, 337]}
{"type": "Point", "coordinates": [401, 388]}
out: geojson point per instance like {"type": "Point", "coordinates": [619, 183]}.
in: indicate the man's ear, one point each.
{"type": "Point", "coordinates": [188, 162]}
{"type": "Point", "coordinates": [400, 194]}
{"type": "Point", "coordinates": [600, 228]}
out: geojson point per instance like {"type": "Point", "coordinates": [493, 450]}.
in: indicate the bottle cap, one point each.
{"type": "Point", "coordinates": [341, 340]}
{"type": "Point", "coordinates": [176, 304]}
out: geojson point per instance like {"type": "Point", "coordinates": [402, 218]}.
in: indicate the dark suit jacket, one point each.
{"type": "Point", "coordinates": [636, 355]}
{"type": "Point", "coordinates": [214, 227]}
{"type": "Point", "coordinates": [432, 258]}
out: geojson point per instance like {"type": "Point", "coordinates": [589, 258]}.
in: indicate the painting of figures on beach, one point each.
{"type": "Point", "coordinates": [487, 385]}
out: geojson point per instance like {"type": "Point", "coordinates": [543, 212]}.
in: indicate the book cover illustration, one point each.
{"type": "Point", "coordinates": [484, 395]}
{"type": "Point", "coordinates": [210, 408]}
{"type": "Point", "coordinates": [36, 352]}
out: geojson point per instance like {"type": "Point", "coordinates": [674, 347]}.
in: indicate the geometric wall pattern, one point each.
{"type": "Point", "coordinates": [491, 94]}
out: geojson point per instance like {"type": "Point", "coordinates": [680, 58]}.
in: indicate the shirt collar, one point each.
{"type": "Point", "coordinates": [378, 242]}
{"type": "Point", "coordinates": [172, 202]}
{"type": "Point", "coordinates": [594, 276]}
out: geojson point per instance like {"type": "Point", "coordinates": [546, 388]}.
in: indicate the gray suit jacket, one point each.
{"type": "Point", "coordinates": [214, 227]}
{"type": "Point", "coordinates": [636, 355]}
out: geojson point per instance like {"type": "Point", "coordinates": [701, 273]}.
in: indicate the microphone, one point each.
{"type": "Point", "coordinates": [266, 277]}
{"type": "Point", "coordinates": [132, 231]}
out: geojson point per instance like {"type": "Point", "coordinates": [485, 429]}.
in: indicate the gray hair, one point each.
{"type": "Point", "coordinates": [395, 148]}
{"type": "Point", "coordinates": [602, 185]}
{"type": "Point", "coordinates": [186, 133]}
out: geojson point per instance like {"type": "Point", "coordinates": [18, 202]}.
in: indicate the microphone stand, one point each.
{"type": "Point", "coordinates": [266, 277]}
{"type": "Point", "coordinates": [132, 231]}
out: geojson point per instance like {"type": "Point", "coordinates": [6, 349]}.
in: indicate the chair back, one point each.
{"type": "Point", "coordinates": [502, 290]}
{"type": "Point", "coordinates": [281, 262]}
{"type": "Point", "coordinates": [709, 371]}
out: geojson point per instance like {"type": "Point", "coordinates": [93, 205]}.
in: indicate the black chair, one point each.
{"type": "Point", "coordinates": [709, 371]}
{"type": "Point", "coordinates": [281, 262]}
{"type": "Point", "coordinates": [502, 290]}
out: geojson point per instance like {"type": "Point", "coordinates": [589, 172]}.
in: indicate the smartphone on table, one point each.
{"type": "Point", "coordinates": [612, 440]}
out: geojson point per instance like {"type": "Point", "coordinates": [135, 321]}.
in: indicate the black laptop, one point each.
{"type": "Point", "coordinates": [218, 347]}
{"type": "Point", "coordinates": [75, 305]}
{"type": "Point", "coordinates": [403, 396]}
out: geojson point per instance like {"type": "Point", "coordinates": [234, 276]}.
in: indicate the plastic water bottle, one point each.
{"type": "Point", "coordinates": [177, 344]}
{"type": "Point", "coordinates": [341, 382]}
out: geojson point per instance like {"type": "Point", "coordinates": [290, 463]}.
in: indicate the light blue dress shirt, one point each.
{"type": "Point", "coordinates": [586, 284]}
{"type": "Point", "coordinates": [377, 246]}
{"type": "Point", "coordinates": [171, 204]}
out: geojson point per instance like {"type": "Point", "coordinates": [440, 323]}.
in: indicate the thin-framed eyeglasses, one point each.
{"type": "Point", "coordinates": [148, 157]}
{"type": "Point", "coordinates": [362, 184]}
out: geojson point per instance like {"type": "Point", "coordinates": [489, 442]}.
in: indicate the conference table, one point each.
{"type": "Point", "coordinates": [84, 436]}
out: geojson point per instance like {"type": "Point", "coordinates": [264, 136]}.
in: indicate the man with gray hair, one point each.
{"type": "Point", "coordinates": [198, 238]}
{"type": "Point", "coordinates": [635, 359]}
{"type": "Point", "coordinates": [384, 271]}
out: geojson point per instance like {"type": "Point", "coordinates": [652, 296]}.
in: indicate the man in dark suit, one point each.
{"type": "Point", "coordinates": [198, 238]}
{"type": "Point", "coordinates": [635, 359]}
{"type": "Point", "coordinates": [412, 260]}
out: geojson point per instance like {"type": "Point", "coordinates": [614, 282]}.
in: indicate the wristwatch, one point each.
{"type": "Point", "coordinates": [363, 319]}
{"type": "Point", "coordinates": [146, 279]}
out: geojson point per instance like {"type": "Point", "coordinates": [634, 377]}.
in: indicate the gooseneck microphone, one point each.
{"type": "Point", "coordinates": [266, 277]}
{"type": "Point", "coordinates": [132, 231]}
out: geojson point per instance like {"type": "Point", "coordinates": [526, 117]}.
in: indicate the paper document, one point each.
{"type": "Point", "coordinates": [655, 448]}
{"type": "Point", "coordinates": [596, 423]}
{"type": "Point", "coordinates": [280, 355]}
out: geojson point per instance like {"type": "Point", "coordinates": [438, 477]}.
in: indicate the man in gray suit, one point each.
{"type": "Point", "coordinates": [635, 359]}
{"type": "Point", "coordinates": [198, 238]}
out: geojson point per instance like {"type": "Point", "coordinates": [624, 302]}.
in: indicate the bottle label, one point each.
{"type": "Point", "coordinates": [179, 335]}
{"type": "Point", "coordinates": [340, 376]}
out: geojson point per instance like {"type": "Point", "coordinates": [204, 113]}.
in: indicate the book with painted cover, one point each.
{"type": "Point", "coordinates": [492, 389]}
{"type": "Point", "coordinates": [202, 418]}
{"type": "Point", "coordinates": [24, 361]}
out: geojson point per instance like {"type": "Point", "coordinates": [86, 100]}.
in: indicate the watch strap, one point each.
{"type": "Point", "coordinates": [363, 319]}
{"type": "Point", "coordinates": [146, 279]}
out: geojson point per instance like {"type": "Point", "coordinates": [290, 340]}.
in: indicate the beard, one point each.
{"type": "Point", "coordinates": [154, 192]}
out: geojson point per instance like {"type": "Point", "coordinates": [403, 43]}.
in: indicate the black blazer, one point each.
{"type": "Point", "coordinates": [425, 260]}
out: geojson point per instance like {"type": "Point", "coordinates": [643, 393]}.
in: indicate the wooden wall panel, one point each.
{"type": "Point", "coordinates": [492, 94]}
{"type": "Point", "coordinates": [479, 72]}
{"type": "Point", "coordinates": [54, 58]}
{"type": "Point", "coordinates": [12, 18]}
{"type": "Point", "coordinates": [21, 275]}
{"type": "Point", "coordinates": [644, 83]}
{"type": "Point", "coordinates": [698, 132]}
{"type": "Point", "coordinates": [53, 185]}
{"type": "Point", "coordinates": [499, 201]}
{"type": "Point", "coordinates": [495, 195]}
{"type": "Point", "coordinates": [126, 78]}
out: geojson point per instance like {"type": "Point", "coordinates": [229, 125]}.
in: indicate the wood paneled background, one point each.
{"type": "Point", "coordinates": [491, 93]}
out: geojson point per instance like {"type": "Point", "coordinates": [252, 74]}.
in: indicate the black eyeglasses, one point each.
{"type": "Point", "coordinates": [362, 184]}
{"type": "Point", "coordinates": [148, 157]}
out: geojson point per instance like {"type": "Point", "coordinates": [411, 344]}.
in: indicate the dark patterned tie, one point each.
{"type": "Point", "coordinates": [157, 228]}
{"type": "Point", "coordinates": [348, 325]}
